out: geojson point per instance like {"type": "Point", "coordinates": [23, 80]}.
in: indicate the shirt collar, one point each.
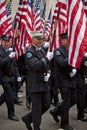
{"type": "Point", "coordinates": [37, 48]}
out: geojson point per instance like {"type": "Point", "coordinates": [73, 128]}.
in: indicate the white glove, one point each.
{"type": "Point", "coordinates": [10, 49]}
{"type": "Point", "coordinates": [12, 54]}
{"type": "Point", "coordinates": [73, 73]}
{"type": "Point", "coordinates": [85, 64]}
{"type": "Point", "coordinates": [46, 45]}
{"type": "Point", "coordinates": [18, 79]}
{"type": "Point", "coordinates": [27, 45]}
{"type": "Point", "coordinates": [85, 55]}
{"type": "Point", "coordinates": [49, 55]}
{"type": "Point", "coordinates": [46, 77]}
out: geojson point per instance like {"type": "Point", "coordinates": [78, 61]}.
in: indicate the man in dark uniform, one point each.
{"type": "Point", "coordinates": [53, 87]}
{"type": "Point", "coordinates": [81, 89]}
{"type": "Point", "coordinates": [65, 82]}
{"type": "Point", "coordinates": [85, 78]}
{"type": "Point", "coordinates": [15, 77]}
{"type": "Point", "coordinates": [5, 59]}
{"type": "Point", "coordinates": [37, 62]}
{"type": "Point", "coordinates": [23, 72]}
{"type": "Point", "coordinates": [80, 86]}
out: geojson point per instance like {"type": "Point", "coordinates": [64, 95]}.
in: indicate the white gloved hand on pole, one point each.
{"type": "Point", "coordinates": [49, 55]}
{"type": "Point", "coordinates": [73, 73]}
{"type": "Point", "coordinates": [18, 79]}
{"type": "Point", "coordinates": [12, 54]}
{"type": "Point", "coordinates": [46, 77]}
{"type": "Point", "coordinates": [10, 49]}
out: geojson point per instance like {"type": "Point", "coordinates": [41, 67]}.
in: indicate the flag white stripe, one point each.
{"type": "Point", "coordinates": [79, 41]}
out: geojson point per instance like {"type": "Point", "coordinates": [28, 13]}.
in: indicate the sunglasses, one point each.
{"type": "Point", "coordinates": [39, 38]}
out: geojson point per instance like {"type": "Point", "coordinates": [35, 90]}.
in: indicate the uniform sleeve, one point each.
{"type": "Point", "coordinates": [17, 74]}
{"type": "Point", "coordinates": [60, 59]}
{"type": "Point", "coordinates": [4, 60]}
{"type": "Point", "coordinates": [35, 63]}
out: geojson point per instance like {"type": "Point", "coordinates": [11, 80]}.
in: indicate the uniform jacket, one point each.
{"type": "Point", "coordinates": [5, 66]}
{"type": "Point", "coordinates": [62, 69]}
{"type": "Point", "coordinates": [36, 62]}
{"type": "Point", "coordinates": [22, 65]}
{"type": "Point", "coordinates": [81, 73]}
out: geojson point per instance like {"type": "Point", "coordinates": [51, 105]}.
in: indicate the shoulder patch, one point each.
{"type": "Point", "coordinates": [29, 55]}
{"type": "Point", "coordinates": [57, 53]}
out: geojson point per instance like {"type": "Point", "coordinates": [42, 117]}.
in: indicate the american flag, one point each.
{"type": "Point", "coordinates": [5, 26]}
{"type": "Point", "coordinates": [18, 14]}
{"type": "Point", "coordinates": [48, 25]}
{"type": "Point", "coordinates": [37, 20]}
{"type": "Point", "coordinates": [25, 18]}
{"type": "Point", "coordinates": [19, 48]}
{"type": "Point", "coordinates": [60, 28]}
{"type": "Point", "coordinates": [9, 29]}
{"type": "Point", "coordinates": [85, 7]}
{"type": "Point", "coordinates": [42, 27]}
{"type": "Point", "coordinates": [77, 32]}
{"type": "Point", "coordinates": [30, 18]}
{"type": "Point", "coordinates": [58, 25]}
{"type": "Point", "coordinates": [3, 17]}
{"type": "Point", "coordinates": [62, 14]}
{"type": "Point", "coordinates": [43, 19]}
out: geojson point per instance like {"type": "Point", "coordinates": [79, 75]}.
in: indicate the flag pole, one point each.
{"type": "Point", "coordinates": [51, 47]}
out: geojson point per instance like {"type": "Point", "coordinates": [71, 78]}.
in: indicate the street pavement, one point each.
{"type": "Point", "coordinates": [47, 121]}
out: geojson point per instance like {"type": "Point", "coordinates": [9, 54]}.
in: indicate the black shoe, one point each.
{"type": "Point", "coordinates": [13, 117]}
{"type": "Point", "coordinates": [27, 124]}
{"type": "Point", "coordinates": [54, 115]}
{"type": "Point", "coordinates": [83, 118]}
{"type": "Point", "coordinates": [18, 101]}
{"type": "Point", "coordinates": [66, 128]}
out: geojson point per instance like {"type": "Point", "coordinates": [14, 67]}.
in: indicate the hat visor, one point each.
{"type": "Point", "coordinates": [39, 37]}
{"type": "Point", "coordinates": [6, 39]}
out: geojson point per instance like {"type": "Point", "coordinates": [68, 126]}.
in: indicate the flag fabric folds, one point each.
{"type": "Point", "coordinates": [37, 19]}
{"type": "Point", "coordinates": [69, 16]}
{"type": "Point", "coordinates": [85, 7]}
{"type": "Point", "coordinates": [9, 29]}
{"type": "Point", "coordinates": [76, 28]}
{"type": "Point", "coordinates": [24, 18]}
{"type": "Point", "coordinates": [43, 19]}
{"type": "Point", "coordinates": [5, 18]}
{"type": "Point", "coordinates": [48, 25]}
{"type": "Point", "coordinates": [77, 32]}
{"type": "Point", "coordinates": [60, 22]}
{"type": "Point", "coordinates": [18, 13]}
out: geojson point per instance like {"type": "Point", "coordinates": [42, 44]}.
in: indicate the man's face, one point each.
{"type": "Point", "coordinates": [37, 41]}
{"type": "Point", "coordinates": [5, 44]}
{"type": "Point", "coordinates": [64, 42]}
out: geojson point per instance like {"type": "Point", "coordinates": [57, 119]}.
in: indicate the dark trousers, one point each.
{"type": "Point", "coordinates": [40, 104]}
{"type": "Point", "coordinates": [28, 97]}
{"type": "Point", "coordinates": [7, 97]}
{"type": "Point", "coordinates": [85, 105]}
{"type": "Point", "coordinates": [80, 99]}
{"type": "Point", "coordinates": [53, 91]}
{"type": "Point", "coordinates": [69, 99]}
